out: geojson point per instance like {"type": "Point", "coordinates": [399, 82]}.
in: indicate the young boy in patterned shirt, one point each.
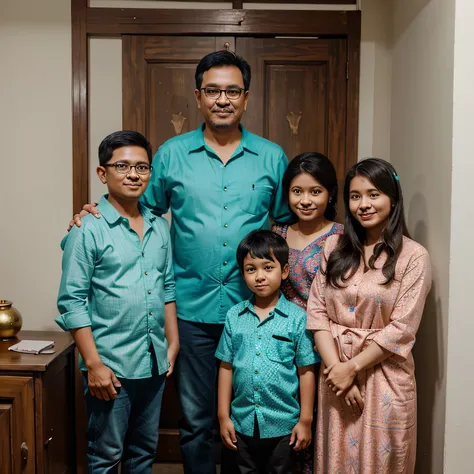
{"type": "Point", "coordinates": [267, 359]}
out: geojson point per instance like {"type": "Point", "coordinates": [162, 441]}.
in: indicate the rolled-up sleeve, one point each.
{"type": "Point", "coordinates": [77, 270]}
{"type": "Point", "coordinates": [399, 335]}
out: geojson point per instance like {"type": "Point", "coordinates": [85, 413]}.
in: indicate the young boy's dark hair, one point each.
{"type": "Point", "coordinates": [120, 139]}
{"type": "Point", "coordinates": [219, 59]}
{"type": "Point", "coordinates": [263, 244]}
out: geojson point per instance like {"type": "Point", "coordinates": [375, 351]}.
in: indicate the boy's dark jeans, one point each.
{"type": "Point", "coordinates": [125, 429]}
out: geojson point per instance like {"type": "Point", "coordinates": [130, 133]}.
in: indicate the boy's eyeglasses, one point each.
{"type": "Point", "coordinates": [214, 93]}
{"type": "Point", "coordinates": [124, 168]}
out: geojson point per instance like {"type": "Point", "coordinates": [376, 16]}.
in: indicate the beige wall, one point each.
{"type": "Point", "coordinates": [36, 162]}
{"type": "Point", "coordinates": [459, 439]}
{"type": "Point", "coordinates": [105, 101]}
{"type": "Point", "coordinates": [375, 79]}
{"type": "Point", "coordinates": [421, 151]}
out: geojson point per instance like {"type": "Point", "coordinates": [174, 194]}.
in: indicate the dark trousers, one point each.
{"type": "Point", "coordinates": [257, 455]}
{"type": "Point", "coordinates": [196, 375]}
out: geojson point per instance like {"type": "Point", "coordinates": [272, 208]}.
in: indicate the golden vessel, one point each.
{"type": "Point", "coordinates": [10, 319]}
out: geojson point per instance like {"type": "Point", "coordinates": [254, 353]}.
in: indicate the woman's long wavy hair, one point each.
{"type": "Point", "coordinates": [345, 259]}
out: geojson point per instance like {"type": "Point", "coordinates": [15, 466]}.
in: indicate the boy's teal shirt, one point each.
{"type": "Point", "coordinates": [214, 206]}
{"type": "Point", "coordinates": [265, 356]}
{"type": "Point", "coordinates": [119, 287]}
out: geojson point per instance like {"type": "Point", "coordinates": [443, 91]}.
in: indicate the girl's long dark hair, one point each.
{"type": "Point", "coordinates": [321, 169]}
{"type": "Point", "coordinates": [345, 259]}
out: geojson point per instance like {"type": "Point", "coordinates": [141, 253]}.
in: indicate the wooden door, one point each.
{"type": "Point", "coordinates": [17, 425]}
{"type": "Point", "coordinates": [298, 95]}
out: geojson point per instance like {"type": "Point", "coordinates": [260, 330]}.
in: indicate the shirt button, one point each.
{"type": "Point", "coordinates": [150, 330]}
{"type": "Point", "coordinates": [256, 372]}
{"type": "Point", "coordinates": [271, 313]}
{"type": "Point", "coordinates": [225, 244]}
{"type": "Point", "coordinates": [224, 283]}
{"type": "Point", "coordinates": [225, 263]}
{"type": "Point", "coordinates": [226, 225]}
{"type": "Point", "coordinates": [256, 388]}
{"type": "Point", "coordinates": [257, 405]}
{"type": "Point", "coordinates": [225, 188]}
{"type": "Point", "coordinates": [150, 313]}
{"type": "Point", "coordinates": [146, 273]}
{"type": "Point", "coordinates": [225, 208]}
{"type": "Point", "coordinates": [260, 337]}
{"type": "Point", "coordinates": [149, 292]}
{"type": "Point", "coordinates": [258, 353]}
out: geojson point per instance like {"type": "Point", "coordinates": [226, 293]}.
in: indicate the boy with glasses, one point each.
{"type": "Point", "coordinates": [117, 297]}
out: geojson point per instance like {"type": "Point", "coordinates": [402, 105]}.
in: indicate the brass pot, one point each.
{"type": "Point", "coordinates": [10, 319]}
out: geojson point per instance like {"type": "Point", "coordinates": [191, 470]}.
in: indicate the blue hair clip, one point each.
{"type": "Point", "coordinates": [395, 175]}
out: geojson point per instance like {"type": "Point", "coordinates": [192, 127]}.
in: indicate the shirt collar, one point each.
{"type": "Point", "coordinates": [283, 307]}
{"type": "Point", "coordinates": [112, 216]}
{"type": "Point", "coordinates": [246, 142]}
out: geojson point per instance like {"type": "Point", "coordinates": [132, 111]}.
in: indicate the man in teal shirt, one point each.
{"type": "Point", "coordinates": [117, 298]}
{"type": "Point", "coordinates": [220, 182]}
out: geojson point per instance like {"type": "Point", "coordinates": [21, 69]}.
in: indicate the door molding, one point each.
{"type": "Point", "coordinates": [106, 22]}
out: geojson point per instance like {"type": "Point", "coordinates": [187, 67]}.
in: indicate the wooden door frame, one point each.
{"type": "Point", "coordinates": [89, 22]}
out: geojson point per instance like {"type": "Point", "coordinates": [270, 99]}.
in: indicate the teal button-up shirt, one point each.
{"type": "Point", "coordinates": [265, 356]}
{"type": "Point", "coordinates": [214, 206]}
{"type": "Point", "coordinates": [119, 287]}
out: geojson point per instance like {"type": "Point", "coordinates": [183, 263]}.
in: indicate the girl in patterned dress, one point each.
{"type": "Point", "coordinates": [365, 306]}
{"type": "Point", "coordinates": [311, 186]}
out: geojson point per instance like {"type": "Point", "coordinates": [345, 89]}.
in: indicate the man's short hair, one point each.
{"type": "Point", "coordinates": [219, 59]}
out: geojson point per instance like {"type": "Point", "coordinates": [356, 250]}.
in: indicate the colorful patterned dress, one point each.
{"type": "Point", "coordinates": [303, 267]}
{"type": "Point", "coordinates": [383, 439]}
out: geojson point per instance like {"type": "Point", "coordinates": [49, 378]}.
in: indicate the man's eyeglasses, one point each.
{"type": "Point", "coordinates": [124, 168]}
{"type": "Point", "coordinates": [213, 93]}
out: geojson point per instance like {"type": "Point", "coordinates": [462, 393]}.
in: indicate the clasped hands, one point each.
{"type": "Point", "coordinates": [340, 379]}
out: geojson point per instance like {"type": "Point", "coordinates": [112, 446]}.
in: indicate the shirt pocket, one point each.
{"type": "Point", "coordinates": [257, 200]}
{"type": "Point", "coordinates": [281, 349]}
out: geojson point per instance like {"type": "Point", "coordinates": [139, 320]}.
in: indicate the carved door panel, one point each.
{"type": "Point", "coordinates": [298, 95]}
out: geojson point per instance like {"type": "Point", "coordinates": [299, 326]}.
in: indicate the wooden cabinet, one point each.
{"type": "Point", "coordinates": [37, 413]}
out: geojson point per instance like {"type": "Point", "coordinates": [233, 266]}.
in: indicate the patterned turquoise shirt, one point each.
{"type": "Point", "coordinates": [214, 206]}
{"type": "Point", "coordinates": [265, 356]}
{"type": "Point", "coordinates": [119, 287]}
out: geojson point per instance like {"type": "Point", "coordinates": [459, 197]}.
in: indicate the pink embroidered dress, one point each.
{"type": "Point", "coordinates": [364, 311]}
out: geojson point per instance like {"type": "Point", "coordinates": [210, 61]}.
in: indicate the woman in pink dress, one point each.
{"type": "Point", "coordinates": [310, 183]}
{"type": "Point", "coordinates": [365, 306]}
